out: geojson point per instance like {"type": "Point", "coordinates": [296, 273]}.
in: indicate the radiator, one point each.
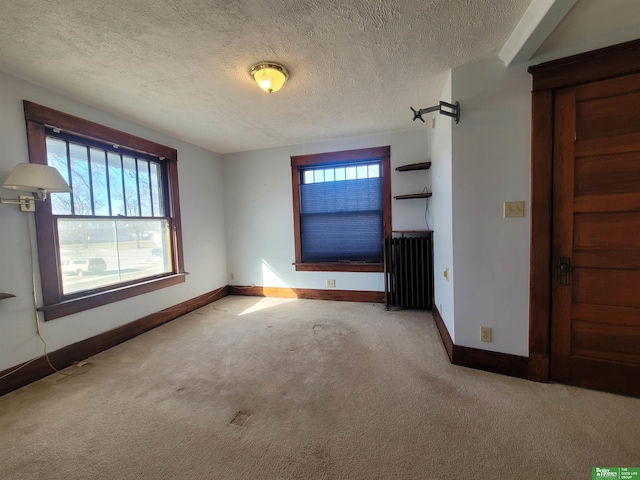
{"type": "Point", "coordinates": [408, 268]}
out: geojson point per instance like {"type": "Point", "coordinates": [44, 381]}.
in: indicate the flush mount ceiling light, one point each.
{"type": "Point", "coordinates": [269, 76]}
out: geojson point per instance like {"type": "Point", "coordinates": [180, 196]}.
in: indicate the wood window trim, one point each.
{"type": "Point", "coordinates": [605, 63]}
{"type": "Point", "coordinates": [37, 119]}
{"type": "Point", "coordinates": [344, 156]}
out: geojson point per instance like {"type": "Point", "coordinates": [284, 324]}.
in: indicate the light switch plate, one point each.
{"type": "Point", "coordinates": [514, 209]}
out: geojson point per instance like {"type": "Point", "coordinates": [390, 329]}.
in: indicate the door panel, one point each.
{"type": "Point", "coordinates": [606, 231]}
{"type": "Point", "coordinates": [605, 314]}
{"type": "Point", "coordinates": [595, 328]}
{"type": "Point", "coordinates": [622, 202]}
{"type": "Point", "coordinates": [602, 146]}
{"type": "Point", "coordinates": [602, 117]}
{"type": "Point", "coordinates": [606, 286]}
{"type": "Point", "coordinates": [597, 340]}
{"type": "Point", "coordinates": [607, 174]}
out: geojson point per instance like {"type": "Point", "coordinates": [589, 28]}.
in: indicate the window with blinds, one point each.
{"type": "Point", "coordinates": [341, 213]}
{"type": "Point", "coordinates": [342, 210]}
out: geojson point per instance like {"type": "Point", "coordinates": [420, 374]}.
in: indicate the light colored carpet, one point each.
{"type": "Point", "coordinates": [324, 390]}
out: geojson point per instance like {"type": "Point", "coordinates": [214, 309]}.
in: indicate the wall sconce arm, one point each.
{"type": "Point", "coordinates": [27, 202]}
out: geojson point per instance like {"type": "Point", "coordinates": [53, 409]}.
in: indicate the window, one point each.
{"type": "Point", "coordinates": [118, 234]}
{"type": "Point", "coordinates": [342, 209]}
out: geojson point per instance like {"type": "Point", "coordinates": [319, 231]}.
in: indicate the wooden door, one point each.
{"type": "Point", "coordinates": [595, 325]}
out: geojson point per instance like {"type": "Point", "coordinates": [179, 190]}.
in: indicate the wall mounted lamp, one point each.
{"type": "Point", "coordinates": [270, 76]}
{"type": "Point", "coordinates": [40, 180]}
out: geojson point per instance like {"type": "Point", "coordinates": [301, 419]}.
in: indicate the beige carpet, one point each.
{"type": "Point", "coordinates": [315, 390]}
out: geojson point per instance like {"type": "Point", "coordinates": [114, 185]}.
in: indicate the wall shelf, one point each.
{"type": "Point", "coordinates": [408, 168]}
{"type": "Point", "coordinates": [413, 195]}
{"type": "Point", "coordinates": [6, 295]}
{"type": "Point", "coordinates": [414, 166]}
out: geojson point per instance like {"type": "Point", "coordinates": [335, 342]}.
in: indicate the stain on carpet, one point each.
{"type": "Point", "coordinates": [241, 419]}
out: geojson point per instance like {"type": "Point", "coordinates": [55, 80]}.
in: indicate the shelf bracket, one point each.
{"type": "Point", "coordinates": [443, 108]}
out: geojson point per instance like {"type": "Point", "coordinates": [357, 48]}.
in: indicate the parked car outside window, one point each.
{"type": "Point", "coordinates": [84, 265]}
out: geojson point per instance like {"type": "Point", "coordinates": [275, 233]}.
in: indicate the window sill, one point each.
{"type": "Point", "coordinates": [76, 305]}
{"type": "Point", "coordinates": [339, 267]}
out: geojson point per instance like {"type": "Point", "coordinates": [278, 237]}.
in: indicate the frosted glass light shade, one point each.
{"type": "Point", "coordinates": [32, 177]}
{"type": "Point", "coordinates": [270, 76]}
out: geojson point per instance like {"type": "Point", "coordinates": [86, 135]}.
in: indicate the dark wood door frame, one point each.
{"type": "Point", "coordinates": [610, 62]}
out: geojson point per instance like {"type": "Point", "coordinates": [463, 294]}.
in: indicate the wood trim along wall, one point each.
{"type": "Point", "coordinates": [339, 267]}
{"type": "Point", "coordinates": [610, 62]}
{"type": "Point", "coordinates": [309, 293]}
{"type": "Point", "coordinates": [444, 332]}
{"type": "Point", "coordinates": [496, 362]}
{"type": "Point", "coordinates": [91, 346]}
{"type": "Point", "coordinates": [540, 251]}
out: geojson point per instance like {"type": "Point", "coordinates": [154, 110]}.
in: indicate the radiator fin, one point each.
{"type": "Point", "coordinates": [408, 271]}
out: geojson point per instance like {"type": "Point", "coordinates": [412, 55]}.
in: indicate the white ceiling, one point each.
{"type": "Point", "coordinates": [182, 66]}
{"type": "Point", "coordinates": [592, 24]}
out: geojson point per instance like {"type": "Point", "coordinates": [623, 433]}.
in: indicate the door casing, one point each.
{"type": "Point", "coordinates": [610, 62]}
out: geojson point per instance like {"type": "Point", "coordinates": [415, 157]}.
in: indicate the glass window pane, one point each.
{"type": "Point", "coordinates": [308, 176]}
{"type": "Point", "coordinates": [362, 171]}
{"type": "Point", "coordinates": [130, 174]}
{"type": "Point", "coordinates": [156, 190]}
{"type": "Point", "coordinates": [329, 175]}
{"type": "Point", "coordinates": [340, 174]}
{"type": "Point", "coordinates": [144, 188]}
{"type": "Point", "coordinates": [98, 253]}
{"type": "Point", "coordinates": [374, 171]}
{"type": "Point", "coordinates": [80, 177]}
{"type": "Point", "coordinates": [57, 157]}
{"type": "Point", "coordinates": [318, 176]}
{"type": "Point", "coordinates": [351, 173]}
{"type": "Point", "coordinates": [97, 158]}
{"type": "Point", "coordinates": [116, 184]}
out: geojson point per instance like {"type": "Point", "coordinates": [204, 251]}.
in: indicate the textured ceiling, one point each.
{"type": "Point", "coordinates": [182, 66]}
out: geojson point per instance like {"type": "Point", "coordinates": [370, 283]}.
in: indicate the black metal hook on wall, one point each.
{"type": "Point", "coordinates": [443, 108]}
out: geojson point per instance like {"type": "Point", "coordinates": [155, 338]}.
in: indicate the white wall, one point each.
{"type": "Point", "coordinates": [259, 210]}
{"type": "Point", "coordinates": [200, 183]}
{"type": "Point", "coordinates": [491, 165]}
{"type": "Point", "coordinates": [441, 213]}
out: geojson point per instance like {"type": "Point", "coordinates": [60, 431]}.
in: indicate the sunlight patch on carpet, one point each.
{"type": "Point", "coordinates": [267, 302]}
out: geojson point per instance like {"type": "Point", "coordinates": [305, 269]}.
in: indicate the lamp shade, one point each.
{"type": "Point", "coordinates": [269, 76]}
{"type": "Point", "coordinates": [32, 177]}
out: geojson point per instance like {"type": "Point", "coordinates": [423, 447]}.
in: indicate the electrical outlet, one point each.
{"type": "Point", "coordinates": [331, 283]}
{"type": "Point", "coordinates": [485, 334]}
{"type": "Point", "coordinates": [446, 273]}
{"type": "Point", "coordinates": [232, 276]}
